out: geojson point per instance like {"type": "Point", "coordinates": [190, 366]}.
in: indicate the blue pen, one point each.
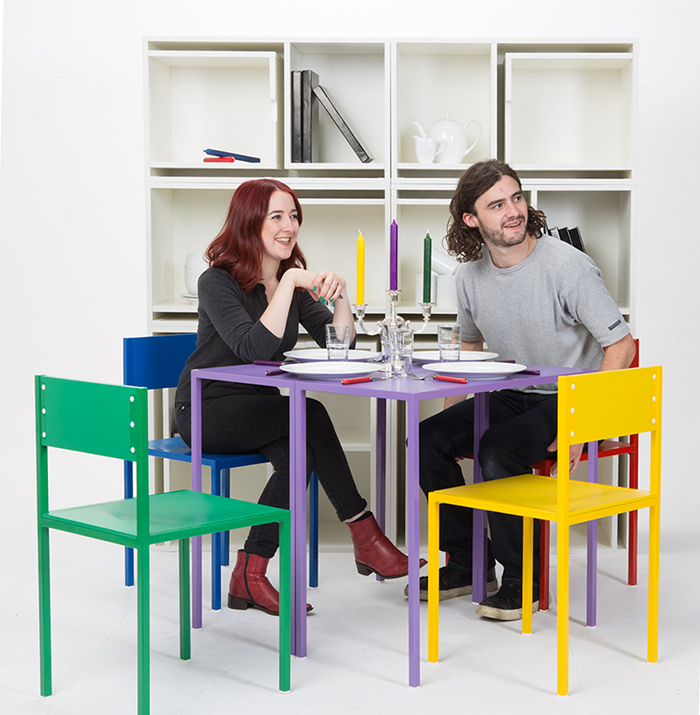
{"type": "Point", "coordinates": [237, 157]}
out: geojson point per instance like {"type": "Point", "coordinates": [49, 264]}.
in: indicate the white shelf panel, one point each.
{"type": "Point", "coordinates": [180, 325]}
{"type": "Point", "coordinates": [177, 305]}
{"type": "Point", "coordinates": [371, 166]}
{"type": "Point", "coordinates": [213, 166]}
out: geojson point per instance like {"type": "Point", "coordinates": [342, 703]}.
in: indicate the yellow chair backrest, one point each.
{"type": "Point", "coordinates": [604, 405]}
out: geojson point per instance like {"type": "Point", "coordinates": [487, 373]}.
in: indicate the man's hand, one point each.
{"type": "Point", "coordinates": [575, 452]}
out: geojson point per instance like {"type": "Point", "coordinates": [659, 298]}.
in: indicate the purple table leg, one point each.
{"type": "Point", "coordinates": [380, 487]}
{"type": "Point", "coordinates": [196, 393]}
{"type": "Point", "coordinates": [413, 523]}
{"type": "Point", "coordinates": [592, 545]}
{"type": "Point", "coordinates": [297, 504]}
{"type": "Point", "coordinates": [481, 424]}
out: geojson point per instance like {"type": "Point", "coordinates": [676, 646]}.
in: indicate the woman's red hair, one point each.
{"type": "Point", "coordinates": [238, 248]}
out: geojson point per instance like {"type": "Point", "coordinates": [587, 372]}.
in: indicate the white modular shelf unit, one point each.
{"type": "Point", "coordinates": [562, 113]}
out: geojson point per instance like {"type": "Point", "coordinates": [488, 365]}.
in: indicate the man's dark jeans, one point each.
{"type": "Point", "coordinates": [521, 427]}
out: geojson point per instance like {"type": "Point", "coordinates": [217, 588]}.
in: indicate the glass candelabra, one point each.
{"type": "Point", "coordinates": [392, 330]}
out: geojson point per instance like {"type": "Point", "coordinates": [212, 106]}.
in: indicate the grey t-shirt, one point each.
{"type": "Point", "coordinates": [550, 309]}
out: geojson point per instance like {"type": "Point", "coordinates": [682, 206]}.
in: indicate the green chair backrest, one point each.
{"type": "Point", "coordinates": [105, 420]}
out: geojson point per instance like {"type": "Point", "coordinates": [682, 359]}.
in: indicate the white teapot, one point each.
{"type": "Point", "coordinates": [451, 136]}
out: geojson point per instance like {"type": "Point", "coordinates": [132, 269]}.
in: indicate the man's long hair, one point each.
{"type": "Point", "coordinates": [464, 242]}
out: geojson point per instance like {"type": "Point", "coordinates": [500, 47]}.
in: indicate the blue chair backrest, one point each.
{"type": "Point", "coordinates": [156, 361]}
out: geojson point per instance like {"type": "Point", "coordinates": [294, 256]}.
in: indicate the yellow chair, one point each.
{"type": "Point", "coordinates": [591, 407]}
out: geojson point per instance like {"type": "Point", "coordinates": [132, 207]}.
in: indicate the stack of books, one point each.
{"type": "Point", "coordinates": [307, 96]}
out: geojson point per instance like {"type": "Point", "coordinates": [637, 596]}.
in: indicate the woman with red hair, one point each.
{"type": "Point", "coordinates": [252, 300]}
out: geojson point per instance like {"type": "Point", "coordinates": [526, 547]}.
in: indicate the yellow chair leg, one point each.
{"type": "Point", "coordinates": [433, 578]}
{"type": "Point", "coordinates": [527, 574]}
{"type": "Point", "coordinates": [653, 619]}
{"type": "Point", "coordinates": [562, 608]}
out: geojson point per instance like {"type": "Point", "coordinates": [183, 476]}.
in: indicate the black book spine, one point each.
{"type": "Point", "coordinates": [309, 117]}
{"type": "Point", "coordinates": [564, 235]}
{"type": "Point", "coordinates": [335, 115]}
{"type": "Point", "coordinates": [577, 239]}
{"type": "Point", "coordinates": [296, 117]}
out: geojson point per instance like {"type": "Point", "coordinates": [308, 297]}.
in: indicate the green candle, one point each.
{"type": "Point", "coordinates": [427, 261]}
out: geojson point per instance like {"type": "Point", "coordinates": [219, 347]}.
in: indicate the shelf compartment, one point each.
{"type": "Point", "coordinates": [230, 100]}
{"type": "Point", "coordinates": [415, 217]}
{"type": "Point", "coordinates": [569, 111]}
{"type": "Point", "coordinates": [356, 76]}
{"type": "Point", "coordinates": [435, 79]}
{"type": "Point", "coordinates": [605, 220]}
{"type": "Point", "coordinates": [330, 231]}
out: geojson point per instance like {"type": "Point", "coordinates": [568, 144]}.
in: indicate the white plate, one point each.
{"type": "Point", "coordinates": [319, 354]}
{"type": "Point", "coordinates": [330, 369]}
{"type": "Point", "coordinates": [475, 370]}
{"type": "Point", "coordinates": [464, 355]}
{"type": "Point", "coordinates": [189, 297]}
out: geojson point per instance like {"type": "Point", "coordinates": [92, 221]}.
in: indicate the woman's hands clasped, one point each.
{"type": "Point", "coordinates": [326, 287]}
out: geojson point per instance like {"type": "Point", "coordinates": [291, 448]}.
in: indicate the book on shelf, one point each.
{"type": "Point", "coordinates": [564, 234]}
{"type": "Point", "coordinates": [350, 136]}
{"type": "Point", "coordinates": [577, 239]}
{"type": "Point", "coordinates": [304, 116]}
{"type": "Point", "coordinates": [296, 116]}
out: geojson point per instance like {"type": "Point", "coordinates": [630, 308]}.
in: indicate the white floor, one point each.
{"type": "Point", "coordinates": [357, 660]}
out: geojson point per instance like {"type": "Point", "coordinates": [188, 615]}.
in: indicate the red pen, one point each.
{"type": "Point", "coordinates": [275, 372]}
{"type": "Point", "coordinates": [354, 380]}
{"type": "Point", "coordinates": [219, 159]}
{"type": "Point", "coordinates": [448, 378]}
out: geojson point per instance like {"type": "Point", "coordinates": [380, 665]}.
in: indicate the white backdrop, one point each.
{"type": "Point", "coordinates": [72, 186]}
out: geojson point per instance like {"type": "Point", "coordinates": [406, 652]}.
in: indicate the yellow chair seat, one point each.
{"type": "Point", "coordinates": [536, 496]}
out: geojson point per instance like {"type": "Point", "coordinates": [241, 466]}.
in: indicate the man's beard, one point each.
{"type": "Point", "coordinates": [499, 239]}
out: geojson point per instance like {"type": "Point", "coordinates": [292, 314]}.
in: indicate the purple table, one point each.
{"type": "Point", "coordinates": [403, 388]}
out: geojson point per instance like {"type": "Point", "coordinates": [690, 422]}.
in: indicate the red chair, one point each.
{"type": "Point", "coordinates": [608, 448]}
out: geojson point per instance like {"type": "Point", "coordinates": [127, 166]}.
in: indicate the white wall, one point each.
{"type": "Point", "coordinates": [72, 184]}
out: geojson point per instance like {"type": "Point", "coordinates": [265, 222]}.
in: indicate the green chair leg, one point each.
{"type": "Point", "coordinates": [143, 629]}
{"type": "Point", "coordinates": [285, 634]}
{"type": "Point", "coordinates": [185, 638]}
{"type": "Point", "coordinates": [45, 612]}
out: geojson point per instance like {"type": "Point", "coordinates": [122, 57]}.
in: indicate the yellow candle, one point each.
{"type": "Point", "coordinates": [360, 299]}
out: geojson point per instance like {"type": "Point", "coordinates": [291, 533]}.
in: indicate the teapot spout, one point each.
{"type": "Point", "coordinates": [422, 132]}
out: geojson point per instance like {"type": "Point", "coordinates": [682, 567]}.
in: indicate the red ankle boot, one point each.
{"type": "Point", "coordinates": [249, 586]}
{"type": "Point", "coordinates": [374, 553]}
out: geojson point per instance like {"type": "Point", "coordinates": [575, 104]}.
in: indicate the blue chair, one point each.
{"type": "Point", "coordinates": [156, 362]}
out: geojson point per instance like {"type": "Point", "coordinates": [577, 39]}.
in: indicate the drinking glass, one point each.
{"type": "Point", "coordinates": [404, 351]}
{"type": "Point", "coordinates": [337, 341]}
{"type": "Point", "coordinates": [449, 342]}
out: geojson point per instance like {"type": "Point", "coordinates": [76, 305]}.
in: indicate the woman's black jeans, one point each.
{"type": "Point", "coordinates": [260, 423]}
{"type": "Point", "coordinates": [521, 427]}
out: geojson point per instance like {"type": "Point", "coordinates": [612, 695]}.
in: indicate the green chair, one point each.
{"type": "Point", "coordinates": [112, 421]}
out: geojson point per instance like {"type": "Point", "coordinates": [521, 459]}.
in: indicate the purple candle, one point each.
{"type": "Point", "coordinates": [394, 257]}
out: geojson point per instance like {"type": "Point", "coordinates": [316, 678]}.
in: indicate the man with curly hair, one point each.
{"type": "Point", "coordinates": [533, 299]}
